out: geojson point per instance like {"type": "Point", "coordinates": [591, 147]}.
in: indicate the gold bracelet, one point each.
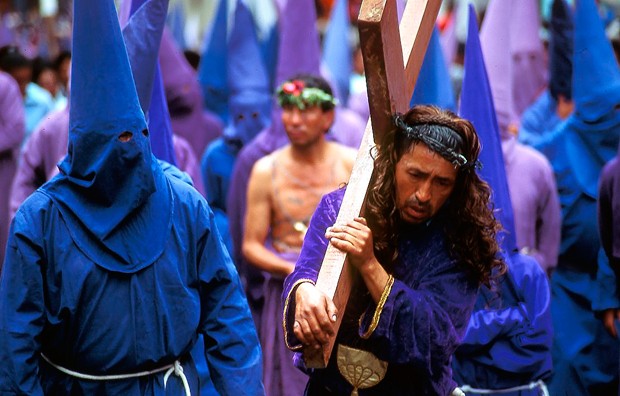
{"type": "Point", "coordinates": [377, 315]}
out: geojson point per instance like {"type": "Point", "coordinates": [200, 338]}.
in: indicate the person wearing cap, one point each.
{"type": "Point", "coordinates": [283, 192]}
{"type": "Point", "coordinates": [113, 268]}
{"type": "Point", "coordinates": [426, 243]}
{"type": "Point", "coordinates": [507, 347]}
{"type": "Point", "coordinates": [585, 352]}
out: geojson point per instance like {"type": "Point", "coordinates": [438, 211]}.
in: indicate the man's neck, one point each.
{"type": "Point", "coordinates": [310, 154]}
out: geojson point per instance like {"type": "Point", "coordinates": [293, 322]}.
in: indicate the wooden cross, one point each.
{"type": "Point", "coordinates": [390, 85]}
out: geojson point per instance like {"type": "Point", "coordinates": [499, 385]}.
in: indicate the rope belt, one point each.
{"type": "Point", "coordinates": [540, 384]}
{"type": "Point", "coordinates": [173, 368]}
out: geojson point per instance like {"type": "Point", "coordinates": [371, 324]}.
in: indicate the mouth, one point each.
{"type": "Point", "coordinates": [416, 212]}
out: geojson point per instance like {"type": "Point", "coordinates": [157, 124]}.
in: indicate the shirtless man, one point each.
{"type": "Point", "coordinates": [284, 189]}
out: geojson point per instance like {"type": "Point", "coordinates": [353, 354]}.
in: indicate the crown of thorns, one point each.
{"type": "Point", "coordinates": [435, 136]}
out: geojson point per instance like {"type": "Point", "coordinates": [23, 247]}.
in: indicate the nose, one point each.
{"type": "Point", "coordinates": [295, 115]}
{"type": "Point", "coordinates": [423, 193]}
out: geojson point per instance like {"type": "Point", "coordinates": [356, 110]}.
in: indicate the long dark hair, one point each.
{"type": "Point", "coordinates": [471, 236]}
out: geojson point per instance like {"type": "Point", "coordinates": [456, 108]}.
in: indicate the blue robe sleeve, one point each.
{"type": "Point", "coordinates": [22, 310]}
{"type": "Point", "coordinates": [231, 345]}
{"type": "Point", "coordinates": [518, 336]}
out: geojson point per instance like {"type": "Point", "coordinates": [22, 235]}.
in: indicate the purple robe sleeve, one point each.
{"type": "Point", "coordinates": [516, 337]}
{"type": "Point", "coordinates": [419, 325]}
{"type": "Point", "coordinates": [605, 211]}
{"type": "Point", "coordinates": [30, 174]}
{"type": "Point", "coordinates": [549, 221]}
{"type": "Point", "coordinates": [12, 119]}
{"type": "Point", "coordinates": [187, 162]}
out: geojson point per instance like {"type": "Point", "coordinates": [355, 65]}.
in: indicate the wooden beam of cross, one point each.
{"type": "Point", "coordinates": [390, 84]}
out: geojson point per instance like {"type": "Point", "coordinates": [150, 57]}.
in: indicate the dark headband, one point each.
{"type": "Point", "coordinates": [440, 138]}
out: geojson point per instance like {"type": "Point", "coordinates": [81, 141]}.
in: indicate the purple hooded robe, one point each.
{"type": "Point", "coordinates": [530, 177]}
{"type": "Point", "coordinates": [418, 328]}
{"type": "Point", "coordinates": [185, 102]}
{"type": "Point", "coordinates": [11, 134]}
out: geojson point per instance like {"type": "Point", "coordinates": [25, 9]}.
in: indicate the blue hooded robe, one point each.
{"type": "Point", "coordinates": [113, 267]}
{"type": "Point", "coordinates": [509, 337]}
{"type": "Point", "coordinates": [585, 356]}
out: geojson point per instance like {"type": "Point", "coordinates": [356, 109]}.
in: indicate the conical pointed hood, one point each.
{"type": "Point", "coordinates": [298, 49]}
{"type": "Point", "coordinates": [159, 122]}
{"type": "Point", "coordinates": [337, 54]}
{"type": "Point", "coordinates": [434, 85]}
{"type": "Point", "coordinates": [265, 15]}
{"type": "Point", "coordinates": [109, 184]}
{"type": "Point", "coordinates": [143, 38]}
{"type": "Point", "coordinates": [250, 94]}
{"type": "Point", "coordinates": [595, 93]}
{"type": "Point", "coordinates": [530, 71]}
{"type": "Point", "coordinates": [495, 43]}
{"type": "Point", "coordinates": [212, 72]}
{"type": "Point", "coordinates": [184, 97]}
{"type": "Point", "coordinates": [477, 106]}
{"type": "Point", "coordinates": [561, 41]}
{"type": "Point", "coordinates": [142, 35]}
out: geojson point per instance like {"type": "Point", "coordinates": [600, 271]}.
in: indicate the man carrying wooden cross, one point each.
{"type": "Point", "coordinates": [425, 244]}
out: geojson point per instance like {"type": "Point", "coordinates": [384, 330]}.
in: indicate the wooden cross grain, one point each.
{"type": "Point", "coordinates": [390, 84]}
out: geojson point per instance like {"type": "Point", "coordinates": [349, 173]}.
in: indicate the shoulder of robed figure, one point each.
{"type": "Point", "coordinates": [264, 165]}
{"type": "Point", "coordinates": [346, 154]}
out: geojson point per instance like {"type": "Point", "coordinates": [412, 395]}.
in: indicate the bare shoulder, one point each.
{"type": "Point", "coordinates": [264, 165]}
{"type": "Point", "coordinates": [345, 154]}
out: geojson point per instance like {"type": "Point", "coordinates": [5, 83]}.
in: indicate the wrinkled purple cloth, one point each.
{"type": "Point", "coordinates": [185, 102]}
{"type": "Point", "coordinates": [422, 322]}
{"type": "Point", "coordinates": [535, 202]}
{"type": "Point", "coordinates": [12, 124]}
{"type": "Point", "coordinates": [48, 145]}
{"type": "Point", "coordinates": [280, 376]}
{"type": "Point", "coordinates": [609, 211]}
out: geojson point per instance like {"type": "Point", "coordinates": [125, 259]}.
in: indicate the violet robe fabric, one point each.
{"type": "Point", "coordinates": [422, 322]}
{"type": "Point", "coordinates": [535, 202]}
{"type": "Point", "coordinates": [585, 356]}
{"type": "Point", "coordinates": [185, 101]}
{"type": "Point", "coordinates": [90, 318]}
{"type": "Point", "coordinates": [280, 376]}
{"type": "Point", "coordinates": [609, 212]}
{"type": "Point", "coordinates": [12, 124]}
{"type": "Point", "coordinates": [48, 145]}
{"type": "Point", "coordinates": [509, 337]}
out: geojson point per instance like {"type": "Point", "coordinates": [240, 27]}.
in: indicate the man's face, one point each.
{"type": "Point", "coordinates": [306, 127]}
{"type": "Point", "coordinates": [424, 181]}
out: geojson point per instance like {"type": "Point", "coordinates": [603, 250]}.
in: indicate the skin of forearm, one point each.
{"type": "Point", "coordinates": [265, 260]}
